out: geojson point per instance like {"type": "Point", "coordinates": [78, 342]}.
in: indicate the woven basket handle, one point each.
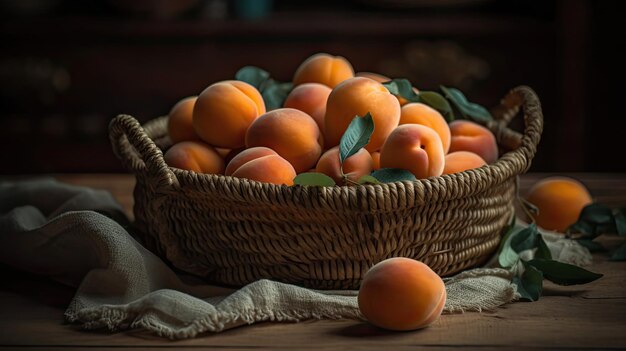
{"type": "Point", "coordinates": [525, 98]}
{"type": "Point", "coordinates": [137, 151]}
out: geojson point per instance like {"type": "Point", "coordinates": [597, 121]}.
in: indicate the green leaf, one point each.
{"type": "Point", "coordinates": [563, 273]}
{"type": "Point", "coordinates": [526, 239]}
{"type": "Point", "coordinates": [275, 93]}
{"type": "Point", "coordinates": [368, 179]}
{"type": "Point", "coordinates": [390, 175]}
{"type": "Point", "coordinates": [438, 102]}
{"type": "Point", "coordinates": [596, 213]}
{"type": "Point", "coordinates": [530, 285]}
{"type": "Point", "coordinates": [591, 245]}
{"type": "Point", "coordinates": [543, 251]}
{"type": "Point", "coordinates": [582, 227]}
{"type": "Point", "coordinates": [619, 254]}
{"type": "Point", "coordinates": [403, 88]}
{"type": "Point", "coordinates": [252, 75]}
{"type": "Point", "coordinates": [356, 136]}
{"type": "Point", "coordinates": [468, 109]}
{"type": "Point", "coordinates": [506, 256]}
{"type": "Point", "coordinates": [313, 179]}
{"type": "Point", "coordinates": [620, 221]}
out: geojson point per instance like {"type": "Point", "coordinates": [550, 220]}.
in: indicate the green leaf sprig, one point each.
{"type": "Point", "coordinates": [273, 92]}
{"type": "Point", "coordinates": [596, 219]}
{"type": "Point", "coordinates": [452, 104]}
{"type": "Point", "coordinates": [529, 281]}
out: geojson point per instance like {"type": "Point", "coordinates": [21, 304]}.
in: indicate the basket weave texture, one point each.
{"type": "Point", "coordinates": [234, 231]}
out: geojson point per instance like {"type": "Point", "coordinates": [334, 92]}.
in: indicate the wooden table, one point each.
{"type": "Point", "coordinates": [589, 316]}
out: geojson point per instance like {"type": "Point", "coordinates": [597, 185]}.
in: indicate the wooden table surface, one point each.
{"type": "Point", "coordinates": [588, 316]}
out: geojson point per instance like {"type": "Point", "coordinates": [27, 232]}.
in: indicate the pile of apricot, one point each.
{"type": "Point", "coordinates": [228, 130]}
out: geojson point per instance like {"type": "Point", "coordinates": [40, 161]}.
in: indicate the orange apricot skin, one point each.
{"type": "Point", "coordinates": [383, 79]}
{"type": "Point", "coordinates": [460, 161]}
{"type": "Point", "coordinates": [358, 96]}
{"type": "Point", "coordinates": [224, 111]}
{"type": "Point", "coordinates": [419, 113]}
{"type": "Point", "coordinates": [310, 98]}
{"type": "Point", "coordinates": [376, 160]}
{"type": "Point", "coordinates": [416, 148]}
{"type": "Point", "coordinates": [324, 69]}
{"type": "Point", "coordinates": [291, 133]}
{"type": "Point", "coordinates": [401, 294]}
{"type": "Point", "coordinates": [194, 156]}
{"type": "Point", "coordinates": [267, 169]}
{"type": "Point", "coordinates": [245, 156]}
{"type": "Point", "coordinates": [559, 200]}
{"type": "Point", "coordinates": [373, 76]}
{"type": "Point", "coordinates": [470, 136]}
{"type": "Point", "coordinates": [354, 167]}
{"type": "Point", "coordinates": [180, 122]}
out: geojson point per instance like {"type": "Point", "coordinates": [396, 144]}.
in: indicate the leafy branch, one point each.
{"type": "Point", "coordinates": [529, 274]}
{"type": "Point", "coordinates": [453, 106]}
{"type": "Point", "coordinates": [596, 219]}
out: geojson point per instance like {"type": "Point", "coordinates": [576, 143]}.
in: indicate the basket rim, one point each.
{"type": "Point", "coordinates": [135, 146]}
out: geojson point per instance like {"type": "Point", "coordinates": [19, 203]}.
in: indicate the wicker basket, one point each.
{"type": "Point", "coordinates": [234, 231]}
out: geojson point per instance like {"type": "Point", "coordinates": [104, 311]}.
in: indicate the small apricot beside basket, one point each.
{"type": "Point", "coordinates": [234, 231]}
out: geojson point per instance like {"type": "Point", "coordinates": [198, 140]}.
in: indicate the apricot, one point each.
{"type": "Point", "coordinates": [358, 96]}
{"type": "Point", "coordinates": [268, 169]}
{"type": "Point", "coordinates": [470, 136]}
{"type": "Point", "coordinates": [559, 200]}
{"type": "Point", "coordinates": [354, 167]}
{"type": "Point", "coordinates": [224, 111]}
{"type": "Point", "coordinates": [401, 294]}
{"type": "Point", "coordinates": [246, 156]}
{"type": "Point", "coordinates": [416, 148]}
{"type": "Point", "coordinates": [373, 76]}
{"type": "Point", "coordinates": [419, 113]}
{"type": "Point", "coordinates": [324, 69]}
{"type": "Point", "coordinates": [179, 124]}
{"type": "Point", "coordinates": [460, 161]}
{"type": "Point", "coordinates": [310, 98]}
{"type": "Point", "coordinates": [291, 133]}
{"type": "Point", "coordinates": [376, 159]}
{"type": "Point", "coordinates": [383, 79]}
{"type": "Point", "coordinates": [194, 156]}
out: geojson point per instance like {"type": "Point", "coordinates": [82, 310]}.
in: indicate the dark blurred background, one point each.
{"type": "Point", "coordinates": [68, 67]}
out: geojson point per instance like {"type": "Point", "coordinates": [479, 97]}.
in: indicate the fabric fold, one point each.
{"type": "Point", "coordinates": [83, 241]}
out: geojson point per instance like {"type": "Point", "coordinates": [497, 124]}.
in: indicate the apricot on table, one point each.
{"type": "Point", "coordinates": [194, 156]}
{"type": "Point", "coordinates": [358, 96]}
{"type": "Point", "coordinates": [310, 98]}
{"type": "Point", "coordinates": [267, 169]}
{"type": "Point", "coordinates": [559, 200]}
{"type": "Point", "coordinates": [470, 136]}
{"type": "Point", "coordinates": [224, 111]}
{"type": "Point", "coordinates": [324, 69]}
{"type": "Point", "coordinates": [416, 148]}
{"type": "Point", "coordinates": [354, 167]}
{"type": "Point", "coordinates": [292, 133]}
{"type": "Point", "coordinates": [423, 114]}
{"type": "Point", "coordinates": [460, 161]}
{"type": "Point", "coordinates": [180, 122]}
{"type": "Point", "coordinates": [401, 294]}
